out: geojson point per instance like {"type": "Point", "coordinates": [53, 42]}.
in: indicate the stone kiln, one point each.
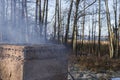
{"type": "Point", "coordinates": [33, 62]}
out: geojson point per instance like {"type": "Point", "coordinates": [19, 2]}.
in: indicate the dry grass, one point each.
{"type": "Point", "coordinates": [96, 64]}
{"type": "Point", "coordinates": [91, 61]}
{"type": "Point", "coordinates": [89, 47]}
{"type": "Point", "coordinates": [86, 42]}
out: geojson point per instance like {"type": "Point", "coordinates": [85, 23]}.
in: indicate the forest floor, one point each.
{"type": "Point", "coordinates": [87, 66]}
{"type": "Point", "coordinates": [93, 68]}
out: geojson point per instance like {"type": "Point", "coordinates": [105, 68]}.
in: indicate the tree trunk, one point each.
{"type": "Point", "coordinates": [54, 36]}
{"type": "Point", "coordinates": [111, 34]}
{"type": "Point", "coordinates": [115, 30]}
{"type": "Point", "coordinates": [46, 20]}
{"type": "Point", "coordinates": [74, 34]}
{"type": "Point", "coordinates": [40, 18]}
{"type": "Point", "coordinates": [43, 17]}
{"type": "Point", "coordinates": [99, 24]}
{"type": "Point", "coordinates": [118, 35]}
{"type": "Point", "coordinates": [58, 15]}
{"type": "Point", "coordinates": [83, 26]}
{"type": "Point", "coordinates": [68, 21]}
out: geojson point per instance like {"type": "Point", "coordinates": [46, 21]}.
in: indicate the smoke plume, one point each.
{"type": "Point", "coordinates": [17, 24]}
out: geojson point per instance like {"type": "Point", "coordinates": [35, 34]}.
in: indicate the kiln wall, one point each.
{"type": "Point", "coordinates": [40, 62]}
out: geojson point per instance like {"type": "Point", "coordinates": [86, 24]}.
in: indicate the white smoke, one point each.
{"type": "Point", "coordinates": [17, 25]}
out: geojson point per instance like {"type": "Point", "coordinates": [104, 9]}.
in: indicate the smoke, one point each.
{"type": "Point", "coordinates": [17, 24]}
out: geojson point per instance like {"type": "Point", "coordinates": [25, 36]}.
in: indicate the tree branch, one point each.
{"type": "Point", "coordinates": [86, 8]}
{"type": "Point", "coordinates": [71, 76]}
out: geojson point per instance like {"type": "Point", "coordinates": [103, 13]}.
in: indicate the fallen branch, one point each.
{"type": "Point", "coordinates": [71, 76]}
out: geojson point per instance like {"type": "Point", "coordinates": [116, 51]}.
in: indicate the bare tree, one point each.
{"type": "Point", "coordinates": [92, 27]}
{"type": "Point", "coordinates": [116, 40]}
{"type": "Point", "coordinates": [25, 18]}
{"type": "Point", "coordinates": [2, 16]}
{"type": "Point", "coordinates": [40, 17]}
{"type": "Point", "coordinates": [119, 29]}
{"type": "Point", "coordinates": [111, 34]}
{"type": "Point", "coordinates": [83, 24]}
{"type": "Point", "coordinates": [58, 16]}
{"type": "Point", "coordinates": [74, 34]}
{"type": "Point", "coordinates": [99, 24]}
{"type": "Point", "coordinates": [68, 21]}
{"type": "Point", "coordinates": [43, 16]}
{"type": "Point", "coordinates": [55, 29]}
{"type": "Point", "coordinates": [46, 20]}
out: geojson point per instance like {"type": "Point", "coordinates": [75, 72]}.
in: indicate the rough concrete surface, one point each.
{"type": "Point", "coordinates": [33, 62]}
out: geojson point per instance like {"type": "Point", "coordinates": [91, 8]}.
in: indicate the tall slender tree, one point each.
{"type": "Point", "coordinates": [111, 34]}
{"type": "Point", "coordinates": [116, 40]}
{"type": "Point", "coordinates": [99, 24]}
{"type": "Point", "coordinates": [83, 24]}
{"type": "Point", "coordinates": [46, 16]}
{"type": "Point", "coordinates": [40, 17]}
{"type": "Point", "coordinates": [68, 21]}
{"type": "Point", "coordinates": [74, 33]}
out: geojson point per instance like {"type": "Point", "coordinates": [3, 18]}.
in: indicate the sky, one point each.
{"type": "Point", "coordinates": [65, 6]}
{"type": "Point", "coordinates": [51, 12]}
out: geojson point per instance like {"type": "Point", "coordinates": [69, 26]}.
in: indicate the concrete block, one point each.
{"type": "Point", "coordinates": [33, 62]}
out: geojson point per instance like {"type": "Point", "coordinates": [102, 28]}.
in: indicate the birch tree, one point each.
{"type": "Point", "coordinates": [111, 34]}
